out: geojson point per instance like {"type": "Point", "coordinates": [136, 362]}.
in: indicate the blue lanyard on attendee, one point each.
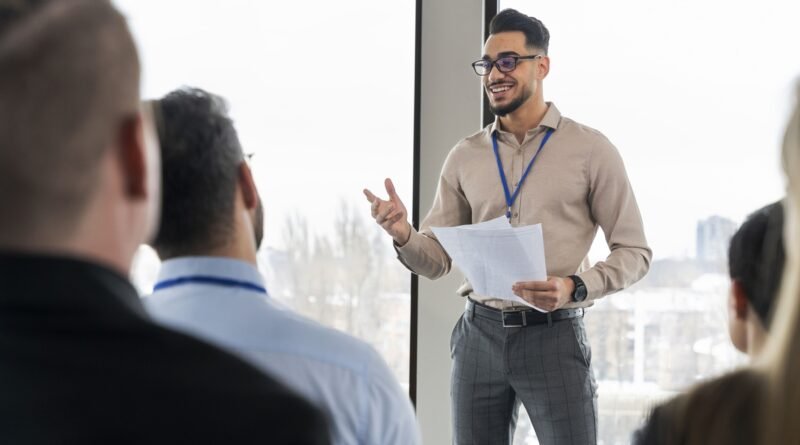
{"type": "Point", "coordinates": [509, 197]}
{"type": "Point", "coordinates": [205, 279]}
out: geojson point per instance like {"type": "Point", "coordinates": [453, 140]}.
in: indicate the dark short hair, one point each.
{"type": "Point", "coordinates": [201, 155]}
{"type": "Point", "coordinates": [69, 75]}
{"type": "Point", "coordinates": [756, 257]}
{"type": "Point", "coordinates": [536, 34]}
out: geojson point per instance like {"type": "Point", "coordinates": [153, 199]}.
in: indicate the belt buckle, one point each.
{"type": "Point", "coordinates": [515, 325]}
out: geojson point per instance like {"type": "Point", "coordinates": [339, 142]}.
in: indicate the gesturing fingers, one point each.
{"type": "Point", "coordinates": [383, 212]}
{"type": "Point", "coordinates": [370, 196]}
{"type": "Point", "coordinates": [389, 222]}
{"type": "Point", "coordinates": [390, 189]}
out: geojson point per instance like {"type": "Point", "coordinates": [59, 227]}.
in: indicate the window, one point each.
{"type": "Point", "coordinates": [695, 96]}
{"type": "Point", "coordinates": [322, 93]}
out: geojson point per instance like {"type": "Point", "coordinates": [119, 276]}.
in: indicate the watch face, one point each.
{"type": "Point", "coordinates": [579, 294]}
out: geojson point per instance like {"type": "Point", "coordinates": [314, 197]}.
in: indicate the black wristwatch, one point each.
{"type": "Point", "coordinates": [579, 294]}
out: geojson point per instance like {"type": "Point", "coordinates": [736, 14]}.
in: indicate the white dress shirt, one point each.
{"type": "Point", "coordinates": [221, 300]}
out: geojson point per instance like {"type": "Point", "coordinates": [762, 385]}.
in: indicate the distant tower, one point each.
{"type": "Point", "coordinates": [713, 236]}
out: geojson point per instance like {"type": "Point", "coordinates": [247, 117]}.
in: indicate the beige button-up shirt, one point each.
{"type": "Point", "coordinates": [577, 184]}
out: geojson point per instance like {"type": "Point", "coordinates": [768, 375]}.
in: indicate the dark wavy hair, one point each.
{"type": "Point", "coordinates": [536, 34]}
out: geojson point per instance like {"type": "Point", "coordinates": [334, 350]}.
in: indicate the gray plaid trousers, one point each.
{"type": "Point", "coordinates": [546, 368]}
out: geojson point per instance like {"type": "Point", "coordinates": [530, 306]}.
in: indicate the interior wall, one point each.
{"type": "Point", "coordinates": [450, 109]}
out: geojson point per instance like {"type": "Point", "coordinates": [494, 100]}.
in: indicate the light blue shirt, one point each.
{"type": "Point", "coordinates": [344, 376]}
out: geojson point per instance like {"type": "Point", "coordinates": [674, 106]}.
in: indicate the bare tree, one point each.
{"type": "Point", "coordinates": [356, 264]}
{"type": "Point", "coordinates": [298, 250]}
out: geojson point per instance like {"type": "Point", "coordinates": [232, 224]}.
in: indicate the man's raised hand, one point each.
{"type": "Point", "coordinates": [391, 214]}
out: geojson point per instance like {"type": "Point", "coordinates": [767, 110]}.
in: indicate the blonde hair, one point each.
{"type": "Point", "coordinates": [781, 358]}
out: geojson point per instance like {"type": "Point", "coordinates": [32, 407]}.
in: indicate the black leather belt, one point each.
{"type": "Point", "coordinates": [521, 318]}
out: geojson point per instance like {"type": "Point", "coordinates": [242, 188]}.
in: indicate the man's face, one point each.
{"type": "Point", "coordinates": [509, 91]}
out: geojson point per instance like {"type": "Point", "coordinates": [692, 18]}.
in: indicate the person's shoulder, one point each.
{"type": "Point", "coordinates": [592, 143]}
{"type": "Point", "coordinates": [706, 410]}
{"type": "Point", "coordinates": [739, 389]}
{"type": "Point", "coordinates": [170, 353]}
{"type": "Point", "coordinates": [466, 149]}
{"type": "Point", "coordinates": [592, 139]}
{"type": "Point", "coordinates": [315, 342]}
{"type": "Point", "coordinates": [213, 378]}
{"type": "Point", "coordinates": [319, 342]}
{"type": "Point", "coordinates": [576, 128]}
{"type": "Point", "coordinates": [478, 140]}
{"type": "Point", "coordinates": [479, 137]}
{"type": "Point", "coordinates": [664, 424]}
{"type": "Point", "coordinates": [174, 386]}
{"type": "Point", "coordinates": [267, 326]}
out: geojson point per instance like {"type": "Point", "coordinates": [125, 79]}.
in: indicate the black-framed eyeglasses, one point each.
{"type": "Point", "coordinates": [505, 64]}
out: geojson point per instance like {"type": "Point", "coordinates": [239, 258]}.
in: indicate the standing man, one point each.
{"type": "Point", "coordinates": [534, 166]}
{"type": "Point", "coordinates": [81, 362]}
{"type": "Point", "coordinates": [209, 284]}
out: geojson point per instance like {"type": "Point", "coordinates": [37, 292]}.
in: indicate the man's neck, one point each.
{"type": "Point", "coordinates": [524, 118]}
{"type": "Point", "coordinates": [242, 246]}
{"type": "Point", "coordinates": [235, 252]}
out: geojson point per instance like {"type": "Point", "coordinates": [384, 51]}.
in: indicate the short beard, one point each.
{"type": "Point", "coordinates": [511, 107]}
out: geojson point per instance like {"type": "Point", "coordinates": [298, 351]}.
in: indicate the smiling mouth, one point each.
{"type": "Point", "coordinates": [498, 91]}
{"type": "Point", "coordinates": [495, 89]}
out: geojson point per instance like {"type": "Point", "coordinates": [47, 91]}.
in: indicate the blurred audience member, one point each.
{"type": "Point", "coordinates": [80, 360]}
{"type": "Point", "coordinates": [209, 283]}
{"type": "Point", "coordinates": [755, 405]}
{"type": "Point", "coordinates": [755, 261]}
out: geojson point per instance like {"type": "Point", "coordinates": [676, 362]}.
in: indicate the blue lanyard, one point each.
{"type": "Point", "coordinates": [509, 197]}
{"type": "Point", "coordinates": [205, 279]}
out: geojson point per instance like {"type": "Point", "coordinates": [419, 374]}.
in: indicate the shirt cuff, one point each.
{"type": "Point", "coordinates": [594, 283]}
{"type": "Point", "coordinates": [408, 249]}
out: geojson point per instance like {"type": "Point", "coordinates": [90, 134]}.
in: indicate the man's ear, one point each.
{"type": "Point", "coordinates": [133, 157]}
{"type": "Point", "coordinates": [543, 67]}
{"type": "Point", "coordinates": [740, 302]}
{"type": "Point", "coordinates": [248, 186]}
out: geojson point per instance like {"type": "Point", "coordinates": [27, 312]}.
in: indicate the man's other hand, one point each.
{"type": "Point", "coordinates": [547, 295]}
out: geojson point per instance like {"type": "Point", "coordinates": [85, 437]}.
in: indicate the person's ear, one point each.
{"type": "Point", "coordinates": [740, 302]}
{"type": "Point", "coordinates": [133, 158]}
{"type": "Point", "coordinates": [248, 186]}
{"type": "Point", "coordinates": [542, 67]}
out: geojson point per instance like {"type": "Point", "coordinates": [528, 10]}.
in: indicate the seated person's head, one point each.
{"type": "Point", "coordinates": [210, 203]}
{"type": "Point", "coordinates": [755, 262]}
{"type": "Point", "coordinates": [74, 166]}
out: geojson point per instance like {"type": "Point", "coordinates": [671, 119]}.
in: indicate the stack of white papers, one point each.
{"type": "Point", "coordinates": [493, 255]}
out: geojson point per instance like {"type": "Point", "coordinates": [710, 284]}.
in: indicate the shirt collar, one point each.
{"type": "Point", "coordinates": [551, 119]}
{"type": "Point", "coordinates": [217, 267]}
